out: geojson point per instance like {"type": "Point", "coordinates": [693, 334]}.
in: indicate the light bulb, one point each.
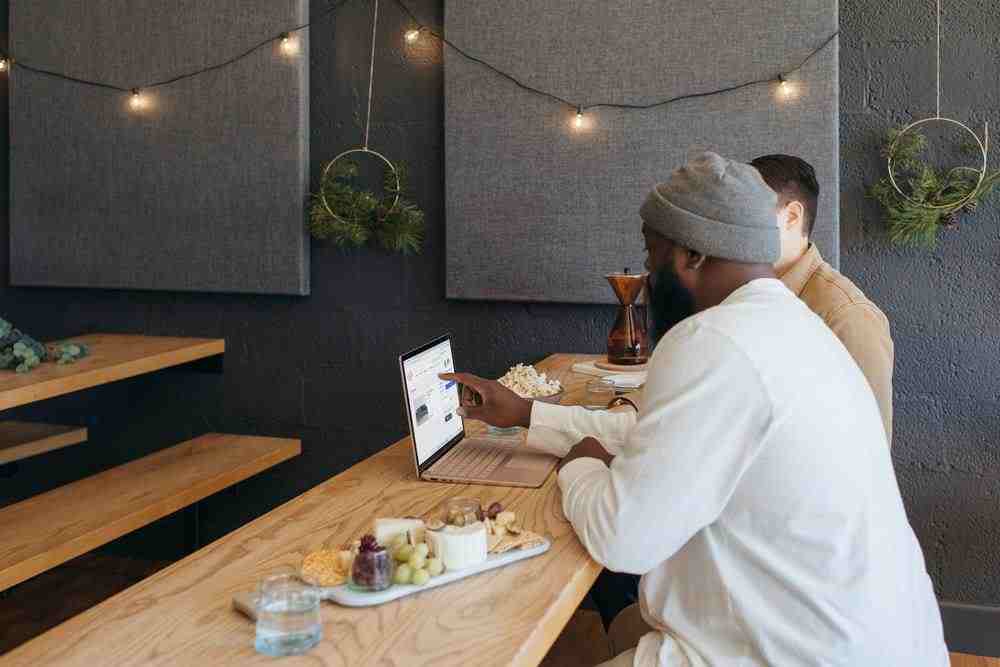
{"type": "Point", "coordinates": [289, 45]}
{"type": "Point", "coordinates": [786, 89]}
{"type": "Point", "coordinates": [4, 64]}
{"type": "Point", "coordinates": [136, 101]}
{"type": "Point", "coordinates": [578, 121]}
{"type": "Point", "coordinates": [412, 35]}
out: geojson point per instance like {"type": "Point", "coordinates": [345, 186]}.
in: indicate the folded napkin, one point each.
{"type": "Point", "coordinates": [621, 380]}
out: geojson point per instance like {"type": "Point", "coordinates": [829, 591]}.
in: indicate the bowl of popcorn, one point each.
{"type": "Point", "coordinates": [526, 382]}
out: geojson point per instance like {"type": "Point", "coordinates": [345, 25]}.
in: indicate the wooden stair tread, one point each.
{"type": "Point", "coordinates": [966, 660]}
{"type": "Point", "coordinates": [53, 527]}
{"type": "Point", "coordinates": [19, 440]}
{"type": "Point", "coordinates": [112, 357]}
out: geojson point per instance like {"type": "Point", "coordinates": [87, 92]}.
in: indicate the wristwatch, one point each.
{"type": "Point", "coordinates": [622, 400]}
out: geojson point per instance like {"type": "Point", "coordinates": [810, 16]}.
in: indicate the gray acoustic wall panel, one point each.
{"type": "Point", "coordinates": [538, 211]}
{"type": "Point", "coordinates": [202, 190]}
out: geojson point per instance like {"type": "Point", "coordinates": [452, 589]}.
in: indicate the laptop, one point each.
{"type": "Point", "coordinates": [441, 450]}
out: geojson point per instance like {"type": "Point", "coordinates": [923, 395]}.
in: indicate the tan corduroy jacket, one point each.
{"type": "Point", "coordinates": [857, 322]}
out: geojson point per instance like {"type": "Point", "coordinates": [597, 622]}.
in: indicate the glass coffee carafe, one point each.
{"type": "Point", "coordinates": [628, 344]}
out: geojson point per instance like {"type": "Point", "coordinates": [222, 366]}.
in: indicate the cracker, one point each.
{"type": "Point", "coordinates": [327, 567]}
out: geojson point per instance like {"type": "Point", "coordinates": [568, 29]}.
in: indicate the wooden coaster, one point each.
{"type": "Point", "coordinates": [620, 368]}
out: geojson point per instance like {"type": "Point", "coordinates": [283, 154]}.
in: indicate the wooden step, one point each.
{"type": "Point", "coordinates": [51, 528]}
{"type": "Point", "coordinates": [965, 660]}
{"type": "Point", "coordinates": [112, 357]}
{"type": "Point", "coordinates": [19, 440]}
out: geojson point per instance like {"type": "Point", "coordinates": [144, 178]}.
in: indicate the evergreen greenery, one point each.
{"type": "Point", "coordinates": [908, 222]}
{"type": "Point", "coordinates": [362, 217]}
{"type": "Point", "coordinates": [21, 352]}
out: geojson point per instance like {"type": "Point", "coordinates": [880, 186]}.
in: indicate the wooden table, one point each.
{"type": "Point", "coordinates": [183, 616]}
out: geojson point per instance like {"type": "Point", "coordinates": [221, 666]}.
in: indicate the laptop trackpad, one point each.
{"type": "Point", "coordinates": [521, 458]}
{"type": "Point", "coordinates": [529, 461]}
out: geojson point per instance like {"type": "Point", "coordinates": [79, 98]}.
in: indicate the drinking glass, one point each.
{"type": "Point", "coordinates": [600, 392]}
{"type": "Point", "coordinates": [288, 621]}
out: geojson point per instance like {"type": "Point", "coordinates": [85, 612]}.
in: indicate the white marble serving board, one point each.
{"type": "Point", "coordinates": [343, 595]}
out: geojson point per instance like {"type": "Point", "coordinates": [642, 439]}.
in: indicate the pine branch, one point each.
{"type": "Point", "coordinates": [352, 218]}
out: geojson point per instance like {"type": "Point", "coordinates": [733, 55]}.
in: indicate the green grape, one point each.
{"type": "Point", "coordinates": [398, 541]}
{"type": "Point", "coordinates": [420, 577]}
{"type": "Point", "coordinates": [417, 561]}
{"type": "Point", "coordinates": [403, 553]}
{"type": "Point", "coordinates": [402, 574]}
{"type": "Point", "coordinates": [435, 566]}
{"type": "Point", "coordinates": [422, 549]}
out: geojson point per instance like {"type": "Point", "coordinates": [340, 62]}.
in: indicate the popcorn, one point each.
{"type": "Point", "coordinates": [526, 382]}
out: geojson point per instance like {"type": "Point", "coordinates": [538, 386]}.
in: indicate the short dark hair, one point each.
{"type": "Point", "coordinates": [793, 179]}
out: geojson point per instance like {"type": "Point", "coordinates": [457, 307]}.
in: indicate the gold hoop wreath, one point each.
{"type": "Point", "coordinates": [984, 147]}
{"type": "Point", "coordinates": [388, 163]}
{"type": "Point", "coordinates": [368, 120]}
{"type": "Point", "coordinates": [984, 144]}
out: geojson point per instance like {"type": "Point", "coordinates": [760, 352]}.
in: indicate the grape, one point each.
{"type": "Point", "coordinates": [403, 553]}
{"type": "Point", "coordinates": [422, 549]}
{"type": "Point", "coordinates": [421, 577]}
{"type": "Point", "coordinates": [398, 541]}
{"type": "Point", "coordinates": [417, 561]}
{"type": "Point", "coordinates": [434, 566]}
{"type": "Point", "coordinates": [402, 574]}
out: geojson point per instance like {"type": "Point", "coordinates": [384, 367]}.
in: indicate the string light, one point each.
{"type": "Point", "coordinates": [289, 45]}
{"type": "Point", "coordinates": [136, 101]}
{"type": "Point", "coordinates": [786, 89]}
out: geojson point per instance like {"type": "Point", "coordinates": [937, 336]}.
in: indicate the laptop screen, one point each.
{"type": "Point", "coordinates": [432, 402]}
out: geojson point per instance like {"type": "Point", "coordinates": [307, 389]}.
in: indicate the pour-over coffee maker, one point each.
{"type": "Point", "coordinates": [628, 344]}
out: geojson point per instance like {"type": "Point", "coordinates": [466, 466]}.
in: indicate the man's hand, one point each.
{"type": "Point", "coordinates": [496, 405]}
{"type": "Point", "coordinates": [587, 448]}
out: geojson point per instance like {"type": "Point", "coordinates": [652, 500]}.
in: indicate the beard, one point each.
{"type": "Point", "coordinates": [669, 302]}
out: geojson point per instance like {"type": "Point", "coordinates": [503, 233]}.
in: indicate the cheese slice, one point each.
{"type": "Point", "coordinates": [386, 530]}
{"type": "Point", "coordinates": [459, 547]}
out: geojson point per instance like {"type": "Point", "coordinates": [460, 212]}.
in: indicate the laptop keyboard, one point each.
{"type": "Point", "coordinates": [471, 462]}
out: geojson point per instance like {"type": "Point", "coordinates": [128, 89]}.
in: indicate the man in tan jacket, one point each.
{"type": "Point", "coordinates": [857, 322]}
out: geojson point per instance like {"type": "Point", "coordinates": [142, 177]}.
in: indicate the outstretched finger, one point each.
{"type": "Point", "coordinates": [468, 379]}
{"type": "Point", "coordinates": [471, 412]}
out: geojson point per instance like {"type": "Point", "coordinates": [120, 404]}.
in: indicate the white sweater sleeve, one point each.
{"type": "Point", "coordinates": [556, 428]}
{"type": "Point", "coordinates": [704, 418]}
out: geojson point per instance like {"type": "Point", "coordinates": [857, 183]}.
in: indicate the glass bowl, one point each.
{"type": "Point", "coordinates": [512, 431]}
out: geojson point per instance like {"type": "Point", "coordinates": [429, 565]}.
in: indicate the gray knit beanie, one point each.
{"type": "Point", "coordinates": [717, 207]}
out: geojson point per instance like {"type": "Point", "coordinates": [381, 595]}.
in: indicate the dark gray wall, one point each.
{"type": "Point", "coordinates": [323, 367]}
{"type": "Point", "coordinates": [942, 304]}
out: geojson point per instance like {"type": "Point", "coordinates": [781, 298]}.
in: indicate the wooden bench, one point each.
{"type": "Point", "coordinates": [19, 440]}
{"type": "Point", "coordinates": [112, 357]}
{"type": "Point", "coordinates": [54, 527]}
{"type": "Point", "coordinates": [965, 660]}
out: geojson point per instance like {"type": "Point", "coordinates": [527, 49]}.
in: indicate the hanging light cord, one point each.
{"type": "Point", "coordinates": [180, 77]}
{"type": "Point", "coordinates": [371, 74]}
{"type": "Point", "coordinates": [938, 50]}
{"type": "Point", "coordinates": [457, 49]}
{"type": "Point", "coordinates": [609, 105]}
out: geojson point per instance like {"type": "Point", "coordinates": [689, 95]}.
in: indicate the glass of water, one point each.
{"type": "Point", "coordinates": [288, 621]}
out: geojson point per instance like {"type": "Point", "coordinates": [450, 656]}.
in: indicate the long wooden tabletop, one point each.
{"type": "Point", "coordinates": [183, 615]}
{"type": "Point", "coordinates": [112, 357]}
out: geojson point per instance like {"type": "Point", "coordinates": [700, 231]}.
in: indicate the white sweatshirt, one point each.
{"type": "Point", "coordinates": [756, 495]}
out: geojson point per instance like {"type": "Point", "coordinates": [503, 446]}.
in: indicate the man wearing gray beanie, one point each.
{"type": "Point", "coordinates": [755, 493]}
